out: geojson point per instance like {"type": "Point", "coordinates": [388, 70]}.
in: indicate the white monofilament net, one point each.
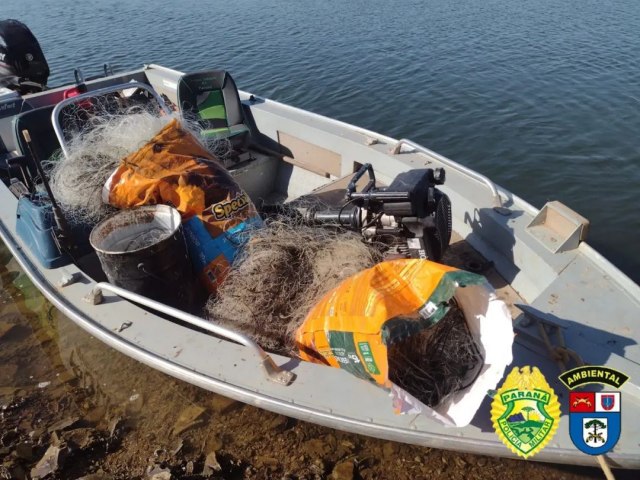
{"type": "Point", "coordinates": [77, 179]}
{"type": "Point", "coordinates": [96, 149]}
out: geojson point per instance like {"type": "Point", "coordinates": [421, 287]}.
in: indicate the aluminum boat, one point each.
{"type": "Point", "coordinates": [567, 301]}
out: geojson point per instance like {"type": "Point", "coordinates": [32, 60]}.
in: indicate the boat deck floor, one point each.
{"type": "Point", "coordinates": [462, 255]}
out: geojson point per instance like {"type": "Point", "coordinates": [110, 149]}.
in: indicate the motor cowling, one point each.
{"type": "Point", "coordinates": [23, 67]}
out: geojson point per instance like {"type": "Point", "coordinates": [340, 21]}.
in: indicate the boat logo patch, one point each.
{"type": "Point", "coordinates": [594, 417]}
{"type": "Point", "coordinates": [525, 411]}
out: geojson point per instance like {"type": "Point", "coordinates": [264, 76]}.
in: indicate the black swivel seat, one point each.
{"type": "Point", "coordinates": [211, 98]}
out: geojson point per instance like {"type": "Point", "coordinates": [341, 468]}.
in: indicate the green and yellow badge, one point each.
{"type": "Point", "coordinates": [525, 411]}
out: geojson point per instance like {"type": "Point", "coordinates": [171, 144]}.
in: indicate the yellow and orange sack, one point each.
{"type": "Point", "coordinates": [352, 324]}
{"type": "Point", "coordinates": [348, 327]}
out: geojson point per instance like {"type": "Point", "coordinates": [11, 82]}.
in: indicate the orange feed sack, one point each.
{"type": "Point", "coordinates": [346, 328]}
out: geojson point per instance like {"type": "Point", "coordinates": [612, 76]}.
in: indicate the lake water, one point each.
{"type": "Point", "coordinates": [543, 97]}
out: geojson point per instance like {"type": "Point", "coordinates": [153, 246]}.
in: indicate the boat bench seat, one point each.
{"type": "Point", "coordinates": [43, 138]}
{"type": "Point", "coordinates": [211, 99]}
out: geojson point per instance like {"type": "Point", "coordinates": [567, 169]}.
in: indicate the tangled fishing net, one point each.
{"type": "Point", "coordinates": [284, 269]}
{"type": "Point", "coordinates": [437, 361]}
{"type": "Point", "coordinates": [94, 153]}
{"type": "Point", "coordinates": [98, 139]}
{"type": "Point", "coordinates": [287, 267]}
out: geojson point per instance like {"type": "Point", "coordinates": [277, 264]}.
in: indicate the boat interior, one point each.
{"type": "Point", "coordinates": [273, 167]}
{"type": "Point", "coordinates": [560, 292]}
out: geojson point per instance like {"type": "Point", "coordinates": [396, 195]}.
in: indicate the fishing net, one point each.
{"type": "Point", "coordinates": [282, 272]}
{"type": "Point", "coordinates": [94, 153]}
{"type": "Point", "coordinates": [288, 267]}
{"type": "Point", "coordinates": [100, 133]}
{"type": "Point", "coordinates": [437, 361]}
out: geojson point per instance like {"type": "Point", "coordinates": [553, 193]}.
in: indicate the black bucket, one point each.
{"type": "Point", "coordinates": [143, 250]}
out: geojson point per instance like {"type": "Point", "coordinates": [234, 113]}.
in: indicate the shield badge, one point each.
{"type": "Point", "coordinates": [594, 421]}
{"type": "Point", "coordinates": [607, 401]}
{"type": "Point", "coordinates": [525, 411]}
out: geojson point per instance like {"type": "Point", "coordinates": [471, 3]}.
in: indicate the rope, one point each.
{"type": "Point", "coordinates": [602, 461]}
{"type": "Point", "coordinates": [562, 355]}
{"type": "Point", "coordinates": [559, 353]}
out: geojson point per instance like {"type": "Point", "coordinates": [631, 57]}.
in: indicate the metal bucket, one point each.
{"type": "Point", "coordinates": [143, 250]}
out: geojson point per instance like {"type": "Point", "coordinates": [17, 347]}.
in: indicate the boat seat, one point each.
{"type": "Point", "coordinates": [211, 98]}
{"type": "Point", "coordinates": [35, 223]}
{"type": "Point", "coordinates": [43, 138]}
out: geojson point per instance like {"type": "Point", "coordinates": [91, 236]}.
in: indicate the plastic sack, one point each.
{"type": "Point", "coordinates": [351, 325]}
{"type": "Point", "coordinates": [173, 168]}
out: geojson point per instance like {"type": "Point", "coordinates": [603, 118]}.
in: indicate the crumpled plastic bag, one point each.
{"type": "Point", "coordinates": [350, 326]}
{"type": "Point", "coordinates": [173, 168]}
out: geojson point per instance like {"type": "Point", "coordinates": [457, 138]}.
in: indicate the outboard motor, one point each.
{"type": "Point", "coordinates": [411, 215]}
{"type": "Point", "coordinates": [23, 67]}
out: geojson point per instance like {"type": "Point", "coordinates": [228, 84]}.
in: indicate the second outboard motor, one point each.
{"type": "Point", "coordinates": [23, 67]}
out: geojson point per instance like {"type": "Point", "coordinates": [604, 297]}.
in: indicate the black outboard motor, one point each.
{"type": "Point", "coordinates": [411, 215]}
{"type": "Point", "coordinates": [23, 67]}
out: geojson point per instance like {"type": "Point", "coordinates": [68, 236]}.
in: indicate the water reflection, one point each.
{"type": "Point", "coordinates": [88, 410]}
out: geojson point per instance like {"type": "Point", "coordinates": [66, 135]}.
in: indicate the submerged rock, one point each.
{"type": "Point", "coordinates": [4, 473]}
{"type": "Point", "coordinates": [63, 424]}
{"type": "Point", "coordinates": [279, 423]}
{"type": "Point", "coordinates": [214, 444]}
{"type": "Point", "coordinates": [211, 465]}
{"type": "Point", "coordinates": [177, 448]}
{"type": "Point", "coordinates": [24, 451]}
{"type": "Point", "coordinates": [262, 460]}
{"type": "Point", "coordinates": [116, 425]}
{"type": "Point", "coordinates": [94, 415]}
{"type": "Point", "coordinates": [189, 418]}
{"type": "Point", "coordinates": [135, 403]}
{"type": "Point", "coordinates": [158, 473]}
{"type": "Point", "coordinates": [50, 462]}
{"type": "Point", "coordinates": [82, 438]}
{"type": "Point", "coordinates": [13, 471]}
{"type": "Point", "coordinates": [316, 448]}
{"type": "Point", "coordinates": [223, 405]}
{"type": "Point", "coordinates": [6, 328]}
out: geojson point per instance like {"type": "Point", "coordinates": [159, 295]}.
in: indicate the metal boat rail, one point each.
{"type": "Point", "coordinates": [55, 114]}
{"type": "Point", "coordinates": [497, 200]}
{"type": "Point", "coordinates": [272, 371]}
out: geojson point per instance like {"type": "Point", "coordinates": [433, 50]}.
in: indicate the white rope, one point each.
{"type": "Point", "coordinates": [562, 355]}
